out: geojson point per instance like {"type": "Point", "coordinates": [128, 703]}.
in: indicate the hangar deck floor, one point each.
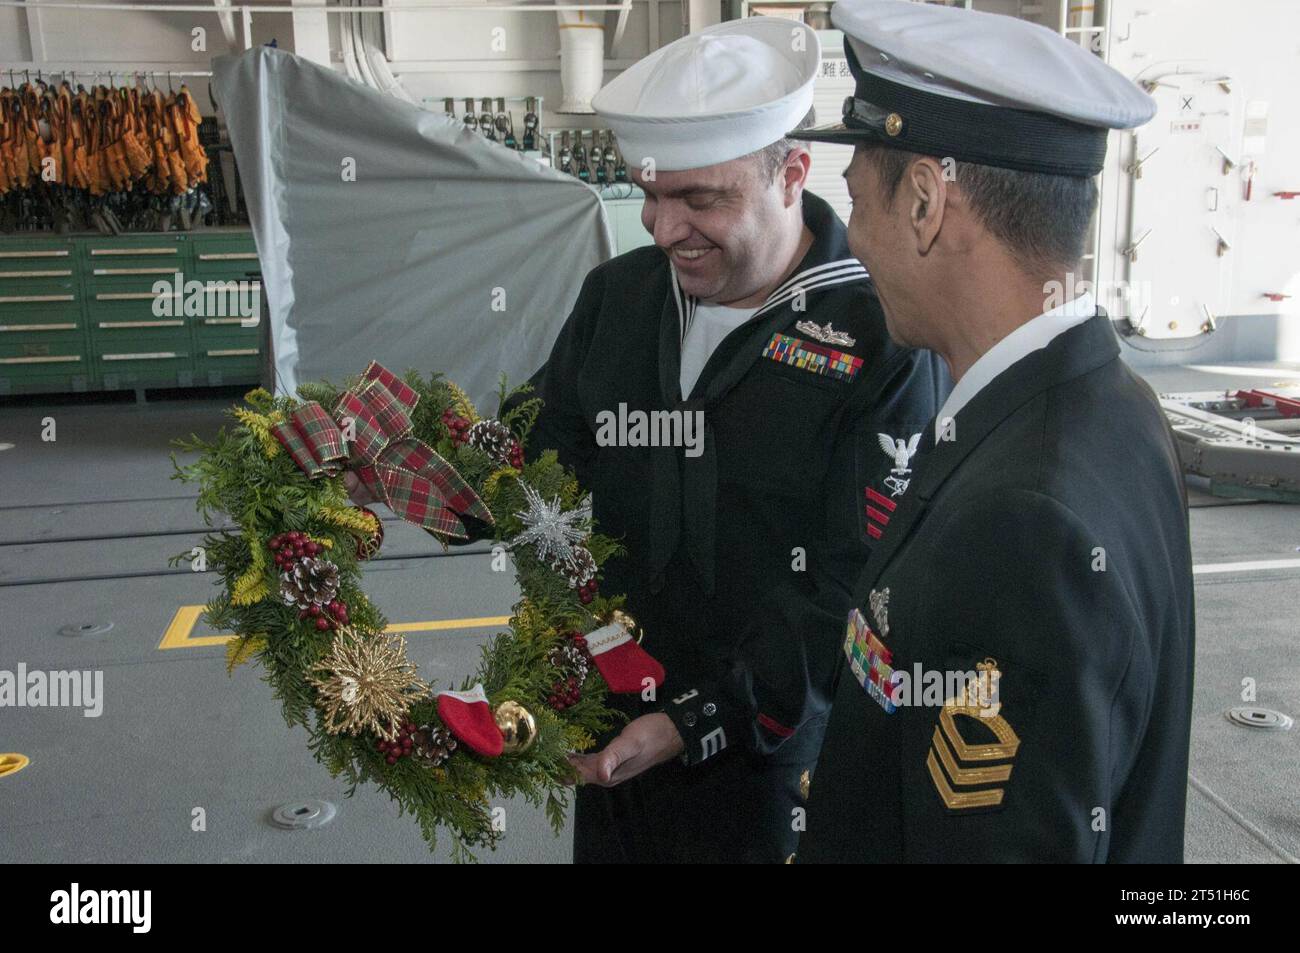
{"type": "Point", "coordinates": [88, 521]}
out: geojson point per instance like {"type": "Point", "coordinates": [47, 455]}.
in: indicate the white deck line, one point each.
{"type": "Point", "coordinates": [1206, 569]}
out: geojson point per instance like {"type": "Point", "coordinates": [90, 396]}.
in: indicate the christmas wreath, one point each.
{"type": "Point", "coordinates": [291, 592]}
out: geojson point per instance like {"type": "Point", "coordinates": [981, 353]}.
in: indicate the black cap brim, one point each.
{"type": "Point", "coordinates": [888, 113]}
{"type": "Point", "coordinates": [836, 132]}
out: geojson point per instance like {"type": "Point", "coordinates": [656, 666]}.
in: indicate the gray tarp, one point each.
{"type": "Point", "coordinates": [408, 264]}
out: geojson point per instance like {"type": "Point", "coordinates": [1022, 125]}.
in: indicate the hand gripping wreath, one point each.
{"type": "Point", "coordinates": [290, 574]}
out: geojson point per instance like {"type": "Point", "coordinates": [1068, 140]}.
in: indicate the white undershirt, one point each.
{"type": "Point", "coordinates": [1020, 343]}
{"type": "Point", "coordinates": [712, 323]}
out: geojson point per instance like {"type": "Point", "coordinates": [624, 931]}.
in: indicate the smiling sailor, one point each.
{"type": "Point", "coordinates": [1017, 683]}
{"type": "Point", "coordinates": [742, 548]}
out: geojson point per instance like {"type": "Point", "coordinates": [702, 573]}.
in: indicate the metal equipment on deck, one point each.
{"type": "Point", "coordinates": [1240, 440]}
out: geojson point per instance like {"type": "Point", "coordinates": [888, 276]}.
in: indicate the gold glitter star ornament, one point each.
{"type": "Point", "coordinates": [366, 683]}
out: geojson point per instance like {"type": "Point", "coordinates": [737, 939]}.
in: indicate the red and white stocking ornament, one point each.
{"type": "Point", "coordinates": [624, 665]}
{"type": "Point", "coordinates": [468, 716]}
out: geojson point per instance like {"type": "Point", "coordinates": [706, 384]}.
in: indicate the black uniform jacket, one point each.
{"type": "Point", "coordinates": [1045, 542]}
{"type": "Point", "coordinates": [741, 559]}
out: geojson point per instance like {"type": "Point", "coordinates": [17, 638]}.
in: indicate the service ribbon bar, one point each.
{"type": "Point", "coordinates": [817, 358]}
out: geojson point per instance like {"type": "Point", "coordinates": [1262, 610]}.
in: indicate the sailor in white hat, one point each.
{"type": "Point", "coordinates": [749, 338]}
{"type": "Point", "coordinates": [701, 123]}
{"type": "Point", "coordinates": [1041, 545]}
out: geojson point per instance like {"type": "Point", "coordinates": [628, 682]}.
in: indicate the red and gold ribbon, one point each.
{"type": "Point", "coordinates": [370, 433]}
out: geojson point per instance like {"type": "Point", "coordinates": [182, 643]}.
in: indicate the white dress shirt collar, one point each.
{"type": "Point", "coordinates": [1020, 343]}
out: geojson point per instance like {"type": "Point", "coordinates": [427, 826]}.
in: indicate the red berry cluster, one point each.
{"type": "Point", "coordinates": [587, 591]}
{"type": "Point", "coordinates": [516, 455]}
{"type": "Point", "coordinates": [330, 616]}
{"type": "Point", "coordinates": [568, 691]}
{"type": "Point", "coordinates": [565, 693]}
{"type": "Point", "coordinates": [291, 547]}
{"type": "Point", "coordinates": [457, 425]}
{"type": "Point", "coordinates": [399, 748]}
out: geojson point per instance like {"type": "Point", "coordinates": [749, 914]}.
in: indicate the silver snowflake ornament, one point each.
{"type": "Point", "coordinates": [554, 532]}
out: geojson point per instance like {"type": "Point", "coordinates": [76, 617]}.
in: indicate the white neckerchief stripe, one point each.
{"type": "Point", "coordinates": [843, 271]}
{"type": "Point", "coordinates": [809, 273]}
{"type": "Point", "coordinates": [689, 316]}
{"type": "Point", "coordinates": [851, 273]}
{"type": "Point", "coordinates": [678, 300]}
{"type": "Point", "coordinates": [828, 281]}
{"type": "Point", "coordinates": [685, 306]}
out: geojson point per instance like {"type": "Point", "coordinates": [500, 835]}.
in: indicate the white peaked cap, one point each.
{"type": "Point", "coordinates": [715, 95]}
{"type": "Point", "coordinates": [989, 58]}
{"type": "Point", "coordinates": [978, 87]}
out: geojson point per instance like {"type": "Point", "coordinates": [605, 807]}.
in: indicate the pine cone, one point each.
{"type": "Point", "coordinates": [311, 582]}
{"type": "Point", "coordinates": [494, 438]}
{"type": "Point", "coordinates": [434, 744]}
{"type": "Point", "coordinates": [570, 660]}
{"type": "Point", "coordinates": [579, 566]}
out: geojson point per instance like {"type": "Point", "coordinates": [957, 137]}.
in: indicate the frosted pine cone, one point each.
{"type": "Point", "coordinates": [434, 744]}
{"type": "Point", "coordinates": [310, 582]}
{"type": "Point", "coordinates": [579, 567]}
{"type": "Point", "coordinates": [570, 660]}
{"type": "Point", "coordinates": [494, 438]}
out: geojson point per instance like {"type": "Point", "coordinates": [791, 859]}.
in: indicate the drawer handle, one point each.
{"type": "Point", "coordinates": [35, 274]}
{"type": "Point", "coordinates": [34, 254]}
{"type": "Point", "coordinates": [34, 299]}
{"type": "Point", "coordinates": [38, 327]}
{"type": "Point", "coordinates": [133, 296]}
{"type": "Point", "coordinates": [135, 271]}
{"type": "Point", "coordinates": [229, 256]}
{"type": "Point", "coordinates": [135, 251]}
{"type": "Point", "coordinates": [234, 352]}
{"type": "Point", "coordinates": [150, 356]}
{"type": "Point", "coordinates": [141, 324]}
{"type": "Point", "coordinates": [50, 359]}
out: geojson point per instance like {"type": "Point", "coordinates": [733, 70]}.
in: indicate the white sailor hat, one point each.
{"type": "Point", "coordinates": [980, 87]}
{"type": "Point", "coordinates": [714, 95]}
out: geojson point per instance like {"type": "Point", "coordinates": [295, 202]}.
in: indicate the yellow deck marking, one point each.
{"type": "Point", "coordinates": [178, 634]}
{"type": "Point", "coordinates": [438, 625]}
{"type": "Point", "coordinates": [12, 763]}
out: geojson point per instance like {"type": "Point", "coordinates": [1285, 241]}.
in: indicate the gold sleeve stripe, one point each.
{"type": "Point", "coordinates": [967, 776]}
{"type": "Point", "coordinates": [1005, 748]}
{"type": "Point", "coordinates": [966, 800]}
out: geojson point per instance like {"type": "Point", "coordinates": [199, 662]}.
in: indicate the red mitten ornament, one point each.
{"type": "Point", "coordinates": [468, 716]}
{"type": "Point", "coordinates": [624, 664]}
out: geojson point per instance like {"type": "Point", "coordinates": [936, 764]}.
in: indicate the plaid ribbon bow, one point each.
{"type": "Point", "coordinates": [405, 473]}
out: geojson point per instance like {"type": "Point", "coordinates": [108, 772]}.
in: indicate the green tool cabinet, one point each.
{"type": "Point", "coordinates": [77, 312]}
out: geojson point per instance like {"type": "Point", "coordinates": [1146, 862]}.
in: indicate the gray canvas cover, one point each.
{"type": "Point", "coordinates": [447, 252]}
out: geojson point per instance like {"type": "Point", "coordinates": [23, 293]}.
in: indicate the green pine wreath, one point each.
{"type": "Point", "coordinates": [290, 577]}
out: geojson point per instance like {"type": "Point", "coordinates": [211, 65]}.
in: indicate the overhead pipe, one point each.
{"type": "Point", "coordinates": [582, 59]}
